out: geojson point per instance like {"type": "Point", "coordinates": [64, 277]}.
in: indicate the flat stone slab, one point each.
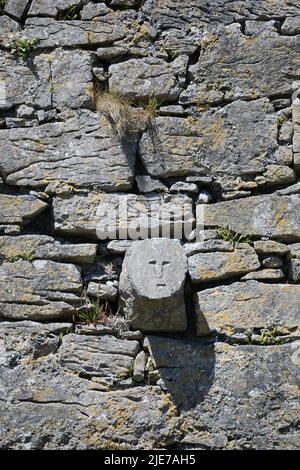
{"type": "Point", "coordinates": [239, 139]}
{"type": "Point", "coordinates": [61, 79]}
{"type": "Point", "coordinates": [143, 78]}
{"type": "Point", "coordinates": [51, 33]}
{"type": "Point", "coordinates": [106, 357]}
{"type": "Point", "coordinates": [152, 285]}
{"type": "Point", "coordinates": [41, 290]}
{"type": "Point", "coordinates": [30, 247]}
{"type": "Point", "coordinates": [269, 215]}
{"type": "Point", "coordinates": [206, 267]}
{"type": "Point", "coordinates": [80, 151]}
{"type": "Point", "coordinates": [127, 216]}
{"type": "Point", "coordinates": [234, 66]}
{"type": "Point", "coordinates": [19, 210]}
{"type": "Point", "coordinates": [244, 306]}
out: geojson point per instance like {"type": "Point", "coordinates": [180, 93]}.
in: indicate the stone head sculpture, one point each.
{"type": "Point", "coordinates": [152, 285]}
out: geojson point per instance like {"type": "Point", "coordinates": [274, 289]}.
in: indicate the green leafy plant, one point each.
{"type": "Point", "coordinates": [70, 13]}
{"type": "Point", "coordinates": [22, 47]}
{"type": "Point", "coordinates": [234, 237]}
{"type": "Point", "coordinates": [93, 314]}
{"type": "Point", "coordinates": [13, 256]}
{"type": "Point", "coordinates": [268, 337]}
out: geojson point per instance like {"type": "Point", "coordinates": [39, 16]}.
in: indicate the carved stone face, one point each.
{"type": "Point", "coordinates": [157, 267]}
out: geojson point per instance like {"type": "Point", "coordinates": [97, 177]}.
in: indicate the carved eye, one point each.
{"type": "Point", "coordinates": [166, 262]}
{"type": "Point", "coordinates": [153, 261]}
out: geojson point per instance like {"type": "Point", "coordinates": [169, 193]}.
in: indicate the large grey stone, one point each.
{"type": "Point", "coordinates": [206, 267]}
{"type": "Point", "coordinates": [46, 8]}
{"type": "Point", "coordinates": [234, 66]}
{"type": "Point", "coordinates": [59, 79]}
{"type": "Point", "coordinates": [16, 8]}
{"type": "Point", "coordinates": [51, 33]}
{"type": "Point", "coordinates": [152, 285]}
{"type": "Point", "coordinates": [247, 305]}
{"type": "Point", "coordinates": [98, 215]}
{"type": "Point", "coordinates": [80, 151]}
{"type": "Point", "coordinates": [63, 410]}
{"type": "Point", "coordinates": [106, 357]}
{"type": "Point", "coordinates": [143, 78]}
{"type": "Point", "coordinates": [45, 247]}
{"type": "Point", "coordinates": [269, 215]}
{"type": "Point", "coordinates": [41, 290]}
{"type": "Point", "coordinates": [235, 392]}
{"type": "Point", "coordinates": [238, 140]}
{"type": "Point", "coordinates": [193, 15]}
{"type": "Point", "coordinates": [19, 210]}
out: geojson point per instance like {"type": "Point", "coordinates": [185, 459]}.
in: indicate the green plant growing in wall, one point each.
{"type": "Point", "coordinates": [70, 13]}
{"type": "Point", "coordinates": [21, 46]}
{"type": "Point", "coordinates": [231, 236]}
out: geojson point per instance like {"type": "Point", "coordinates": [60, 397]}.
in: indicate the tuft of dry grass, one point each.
{"type": "Point", "coordinates": [124, 117]}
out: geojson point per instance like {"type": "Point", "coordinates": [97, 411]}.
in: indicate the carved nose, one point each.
{"type": "Point", "coordinates": [159, 270]}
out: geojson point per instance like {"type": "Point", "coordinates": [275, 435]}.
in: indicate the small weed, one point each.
{"type": "Point", "coordinates": [22, 47]}
{"type": "Point", "coordinates": [267, 337]}
{"type": "Point", "coordinates": [12, 256]}
{"type": "Point", "coordinates": [281, 120]}
{"type": "Point", "coordinates": [92, 315]}
{"type": "Point", "coordinates": [70, 13]}
{"type": "Point", "coordinates": [172, 55]}
{"type": "Point", "coordinates": [234, 237]}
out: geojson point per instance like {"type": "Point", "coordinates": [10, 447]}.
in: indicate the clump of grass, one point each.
{"type": "Point", "coordinates": [21, 46]}
{"type": "Point", "coordinates": [70, 13]}
{"type": "Point", "coordinates": [234, 237]}
{"type": "Point", "coordinates": [125, 117]}
{"type": "Point", "coordinates": [100, 312]}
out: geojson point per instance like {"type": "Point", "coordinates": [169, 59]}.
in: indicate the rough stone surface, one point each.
{"type": "Point", "coordinates": [228, 66]}
{"type": "Point", "coordinates": [267, 215]}
{"type": "Point", "coordinates": [76, 151]}
{"type": "Point", "coordinates": [19, 210]}
{"type": "Point", "coordinates": [151, 285]}
{"type": "Point", "coordinates": [213, 143]}
{"type": "Point", "coordinates": [206, 267]}
{"type": "Point", "coordinates": [139, 79]}
{"type": "Point", "coordinates": [247, 305]}
{"type": "Point", "coordinates": [41, 290]}
{"type": "Point", "coordinates": [109, 215]}
{"type": "Point", "coordinates": [45, 247]}
{"type": "Point", "coordinates": [202, 116]}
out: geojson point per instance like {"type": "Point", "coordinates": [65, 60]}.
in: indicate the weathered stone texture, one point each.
{"type": "Point", "coordinates": [244, 306]}
{"type": "Point", "coordinates": [239, 139]}
{"type": "Point", "coordinates": [273, 216]}
{"type": "Point", "coordinates": [141, 78]}
{"type": "Point", "coordinates": [206, 267]}
{"type": "Point", "coordinates": [19, 210]}
{"type": "Point", "coordinates": [41, 290]}
{"type": "Point", "coordinates": [80, 151]}
{"type": "Point", "coordinates": [45, 247]}
{"type": "Point", "coordinates": [234, 66]}
{"type": "Point", "coordinates": [109, 215]}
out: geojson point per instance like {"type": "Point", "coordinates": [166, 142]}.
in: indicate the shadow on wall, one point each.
{"type": "Point", "coordinates": [187, 368]}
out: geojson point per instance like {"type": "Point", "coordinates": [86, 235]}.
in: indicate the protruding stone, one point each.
{"type": "Point", "coordinates": [139, 367]}
{"type": "Point", "coordinates": [19, 210]}
{"type": "Point", "coordinates": [152, 285]}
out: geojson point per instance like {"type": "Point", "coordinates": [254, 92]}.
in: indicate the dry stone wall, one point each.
{"type": "Point", "coordinates": [146, 108]}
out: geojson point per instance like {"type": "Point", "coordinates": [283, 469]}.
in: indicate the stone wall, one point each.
{"type": "Point", "coordinates": [191, 106]}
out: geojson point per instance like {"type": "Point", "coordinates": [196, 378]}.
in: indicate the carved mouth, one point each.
{"type": "Point", "coordinates": [161, 285]}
